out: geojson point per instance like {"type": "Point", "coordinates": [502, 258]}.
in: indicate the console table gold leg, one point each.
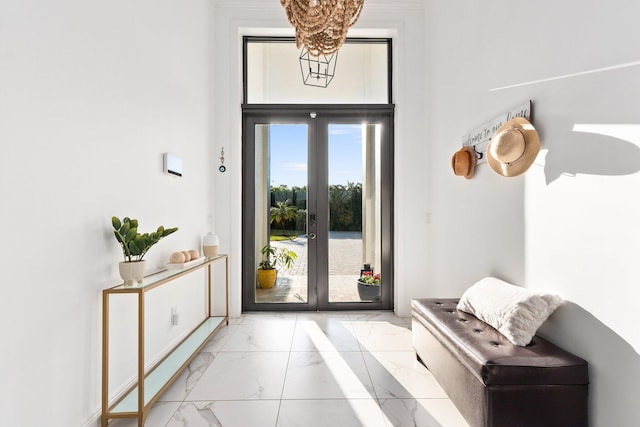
{"type": "Point", "coordinates": [105, 359]}
{"type": "Point", "coordinates": [226, 286]}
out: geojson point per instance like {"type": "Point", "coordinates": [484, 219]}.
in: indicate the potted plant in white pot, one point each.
{"type": "Point", "coordinates": [135, 246]}
{"type": "Point", "coordinates": [273, 258]}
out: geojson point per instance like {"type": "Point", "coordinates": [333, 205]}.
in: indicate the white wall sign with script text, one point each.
{"type": "Point", "coordinates": [479, 138]}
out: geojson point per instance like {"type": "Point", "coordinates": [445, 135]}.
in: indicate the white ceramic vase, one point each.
{"type": "Point", "coordinates": [210, 244]}
{"type": "Point", "coordinates": [132, 272]}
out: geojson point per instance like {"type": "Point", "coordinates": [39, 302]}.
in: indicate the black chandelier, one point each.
{"type": "Point", "coordinates": [317, 70]}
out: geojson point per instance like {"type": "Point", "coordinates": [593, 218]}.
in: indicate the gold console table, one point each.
{"type": "Point", "coordinates": [136, 402]}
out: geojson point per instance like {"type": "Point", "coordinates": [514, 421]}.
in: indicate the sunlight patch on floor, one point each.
{"type": "Point", "coordinates": [342, 373]}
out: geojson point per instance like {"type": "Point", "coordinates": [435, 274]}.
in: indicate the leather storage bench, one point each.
{"type": "Point", "coordinates": [493, 382]}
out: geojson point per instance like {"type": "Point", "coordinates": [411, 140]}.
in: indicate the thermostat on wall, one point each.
{"type": "Point", "coordinates": [172, 164]}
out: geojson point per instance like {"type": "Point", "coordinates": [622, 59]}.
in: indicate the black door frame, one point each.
{"type": "Point", "coordinates": [317, 298]}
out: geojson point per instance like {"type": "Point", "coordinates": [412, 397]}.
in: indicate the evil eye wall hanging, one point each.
{"type": "Point", "coordinates": [222, 167]}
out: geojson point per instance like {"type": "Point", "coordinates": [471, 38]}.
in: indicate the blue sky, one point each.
{"type": "Point", "coordinates": [289, 154]}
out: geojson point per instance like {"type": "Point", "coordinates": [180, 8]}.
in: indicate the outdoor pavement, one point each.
{"type": "Point", "coordinates": [345, 262]}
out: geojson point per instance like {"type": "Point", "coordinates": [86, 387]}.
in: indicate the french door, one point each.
{"type": "Point", "coordinates": [317, 192]}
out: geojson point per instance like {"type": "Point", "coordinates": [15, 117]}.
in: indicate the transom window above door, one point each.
{"type": "Point", "coordinates": [274, 73]}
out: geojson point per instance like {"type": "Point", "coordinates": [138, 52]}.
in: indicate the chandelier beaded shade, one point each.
{"type": "Point", "coordinates": [322, 25]}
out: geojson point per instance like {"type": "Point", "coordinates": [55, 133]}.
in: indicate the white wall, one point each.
{"type": "Point", "coordinates": [570, 223]}
{"type": "Point", "coordinates": [404, 22]}
{"type": "Point", "coordinates": [91, 95]}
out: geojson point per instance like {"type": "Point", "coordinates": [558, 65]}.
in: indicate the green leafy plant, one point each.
{"type": "Point", "coordinates": [274, 257]}
{"type": "Point", "coordinates": [135, 245]}
{"type": "Point", "coordinates": [370, 279]}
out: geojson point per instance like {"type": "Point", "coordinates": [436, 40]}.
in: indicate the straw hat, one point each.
{"type": "Point", "coordinates": [513, 147]}
{"type": "Point", "coordinates": [463, 162]}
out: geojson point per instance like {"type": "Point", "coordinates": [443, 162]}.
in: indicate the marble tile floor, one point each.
{"type": "Point", "coordinates": [336, 369]}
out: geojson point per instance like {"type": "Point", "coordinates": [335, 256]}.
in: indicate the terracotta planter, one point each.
{"type": "Point", "coordinates": [368, 292]}
{"type": "Point", "coordinates": [267, 278]}
{"type": "Point", "coordinates": [132, 272]}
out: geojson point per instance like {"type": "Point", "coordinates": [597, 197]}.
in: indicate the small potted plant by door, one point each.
{"type": "Point", "coordinates": [272, 259]}
{"type": "Point", "coordinates": [369, 286]}
{"type": "Point", "coordinates": [135, 246]}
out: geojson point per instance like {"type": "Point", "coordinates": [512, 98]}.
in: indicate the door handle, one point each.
{"type": "Point", "coordinates": [312, 236]}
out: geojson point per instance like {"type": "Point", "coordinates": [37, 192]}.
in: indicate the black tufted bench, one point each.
{"type": "Point", "coordinates": [492, 382]}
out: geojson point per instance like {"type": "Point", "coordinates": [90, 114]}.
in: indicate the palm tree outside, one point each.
{"type": "Point", "coordinates": [281, 213]}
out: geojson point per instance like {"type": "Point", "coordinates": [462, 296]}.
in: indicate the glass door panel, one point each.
{"type": "Point", "coordinates": [281, 160]}
{"type": "Point", "coordinates": [318, 186]}
{"type": "Point", "coordinates": [354, 211]}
